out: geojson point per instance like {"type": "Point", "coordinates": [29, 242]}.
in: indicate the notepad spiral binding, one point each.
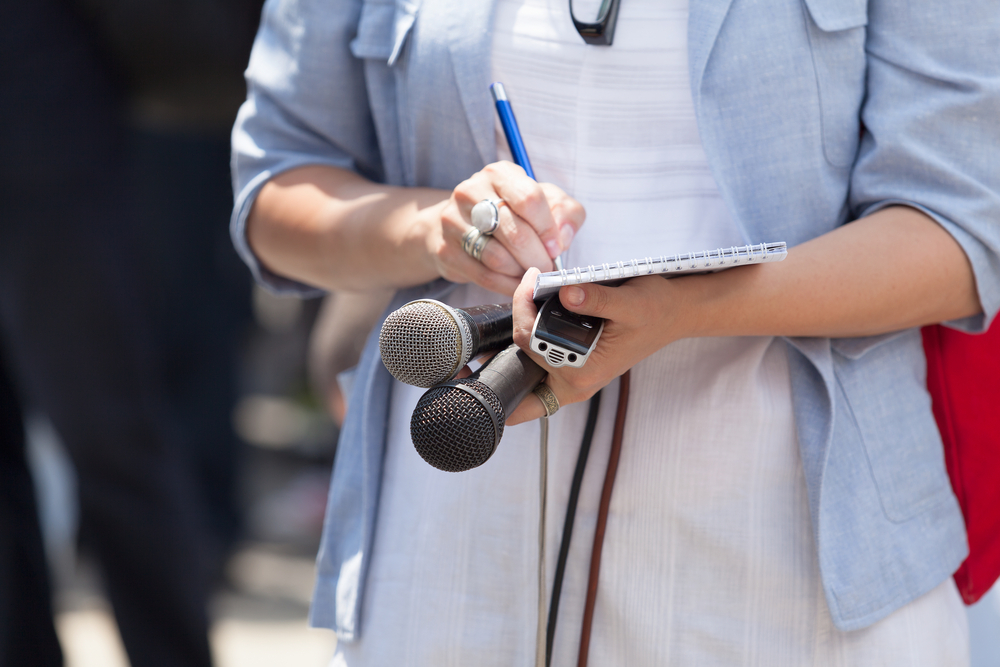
{"type": "Point", "coordinates": [689, 262]}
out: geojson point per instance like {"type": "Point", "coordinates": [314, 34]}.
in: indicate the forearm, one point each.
{"type": "Point", "coordinates": [332, 228]}
{"type": "Point", "coordinates": [892, 270]}
{"type": "Point", "coordinates": [889, 271]}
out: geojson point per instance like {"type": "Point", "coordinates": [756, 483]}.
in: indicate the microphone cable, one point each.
{"type": "Point", "coordinates": [567, 536]}
{"type": "Point", "coordinates": [602, 517]}
{"type": "Point", "coordinates": [541, 655]}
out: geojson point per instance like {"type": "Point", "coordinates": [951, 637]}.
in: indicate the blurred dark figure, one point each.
{"type": "Point", "coordinates": [27, 635]}
{"type": "Point", "coordinates": [121, 300]}
{"type": "Point", "coordinates": [181, 64]}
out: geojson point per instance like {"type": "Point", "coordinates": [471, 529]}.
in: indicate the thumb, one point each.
{"type": "Point", "coordinates": [590, 299]}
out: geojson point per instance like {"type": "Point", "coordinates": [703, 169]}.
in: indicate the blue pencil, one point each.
{"type": "Point", "coordinates": [510, 129]}
{"type": "Point", "coordinates": [514, 140]}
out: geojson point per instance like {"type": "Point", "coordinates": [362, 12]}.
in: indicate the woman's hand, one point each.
{"type": "Point", "coordinates": [640, 318]}
{"type": "Point", "coordinates": [537, 224]}
{"type": "Point", "coordinates": [894, 269]}
{"type": "Point", "coordinates": [331, 228]}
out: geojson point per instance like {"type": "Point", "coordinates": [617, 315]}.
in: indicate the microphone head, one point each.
{"type": "Point", "coordinates": [457, 426]}
{"type": "Point", "coordinates": [424, 343]}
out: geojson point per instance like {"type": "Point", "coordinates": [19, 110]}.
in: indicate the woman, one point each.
{"type": "Point", "coordinates": [781, 497]}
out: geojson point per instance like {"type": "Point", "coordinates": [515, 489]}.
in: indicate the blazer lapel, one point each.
{"type": "Point", "coordinates": [705, 18]}
{"type": "Point", "coordinates": [469, 39]}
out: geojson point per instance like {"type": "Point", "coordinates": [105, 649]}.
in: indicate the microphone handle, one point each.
{"type": "Point", "coordinates": [511, 375]}
{"type": "Point", "coordinates": [492, 326]}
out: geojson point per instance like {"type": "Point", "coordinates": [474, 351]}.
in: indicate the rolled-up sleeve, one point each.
{"type": "Point", "coordinates": [932, 127]}
{"type": "Point", "coordinates": [306, 104]}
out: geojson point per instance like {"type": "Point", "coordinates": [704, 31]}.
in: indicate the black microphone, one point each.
{"type": "Point", "coordinates": [457, 425]}
{"type": "Point", "coordinates": [427, 342]}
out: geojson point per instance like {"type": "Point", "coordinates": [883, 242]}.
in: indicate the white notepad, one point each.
{"type": "Point", "coordinates": [687, 262]}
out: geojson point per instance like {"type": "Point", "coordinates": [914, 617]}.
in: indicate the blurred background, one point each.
{"type": "Point", "coordinates": [164, 456]}
{"type": "Point", "coordinates": [167, 429]}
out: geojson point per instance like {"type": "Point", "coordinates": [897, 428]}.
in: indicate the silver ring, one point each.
{"type": "Point", "coordinates": [486, 215]}
{"type": "Point", "coordinates": [474, 242]}
{"type": "Point", "coordinates": [548, 399]}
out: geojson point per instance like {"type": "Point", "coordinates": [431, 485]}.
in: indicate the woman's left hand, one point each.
{"type": "Point", "coordinates": [641, 316]}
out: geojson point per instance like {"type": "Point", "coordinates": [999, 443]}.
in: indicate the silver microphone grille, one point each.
{"type": "Point", "coordinates": [452, 430]}
{"type": "Point", "coordinates": [420, 344]}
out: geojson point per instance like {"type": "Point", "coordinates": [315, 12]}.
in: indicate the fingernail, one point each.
{"type": "Point", "coordinates": [566, 236]}
{"type": "Point", "coordinates": [553, 248]}
{"type": "Point", "coordinates": [573, 296]}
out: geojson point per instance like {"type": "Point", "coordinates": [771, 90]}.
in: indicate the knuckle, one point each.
{"type": "Point", "coordinates": [505, 169]}
{"type": "Point", "coordinates": [463, 196]}
{"type": "Point", "coordinates": [450, 216]}
{"type": "Point", "coordinates": [522, 336]}
{"type": "Point", "coordinates": [515, 200]}
{"type": "Point", "coordinates": [517, 238]}
{"type": "Point", "coordinates": [526, 198]}
{"type": "Point", "coordinates": [534, 199]}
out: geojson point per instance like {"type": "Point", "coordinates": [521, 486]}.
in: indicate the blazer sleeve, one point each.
{"type": "Point", "coordinates": [932, 126]}
{"type": "Point", "coordinates": [307, 104]}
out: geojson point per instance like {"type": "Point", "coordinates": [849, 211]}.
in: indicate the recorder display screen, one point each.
{"type": "Point", "coordinates": [561, 327]}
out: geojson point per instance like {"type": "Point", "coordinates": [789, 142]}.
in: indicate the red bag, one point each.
{"type": "Point", "coordinates": [963, 377]}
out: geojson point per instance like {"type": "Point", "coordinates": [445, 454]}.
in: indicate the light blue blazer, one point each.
{"type": "Point", "coordinates": [397, 90]}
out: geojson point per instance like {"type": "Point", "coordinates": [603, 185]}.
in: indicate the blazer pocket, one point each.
{"type": "Point", "coordinates": [837, 31]}
{"type": "Point", "coordinates": [887, 399]}
{"type": "Point", "coordinates": [855, 348]}
{"type": "Point", "coordinates": [382, 29]}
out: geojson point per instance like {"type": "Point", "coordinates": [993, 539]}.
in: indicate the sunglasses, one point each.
{"type": "Point", "coordinates": [602, 31]}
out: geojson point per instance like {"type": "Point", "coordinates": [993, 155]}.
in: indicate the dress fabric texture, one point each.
{"type": "Point", "coordinates": [709, 556]}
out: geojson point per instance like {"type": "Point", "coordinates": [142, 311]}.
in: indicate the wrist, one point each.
{"type": "Point", "coordinates": [423, 233]}
{"type": "Point", "coordinates": [715, 304]}
{"type": "Point", "coordinates": [684, 310]}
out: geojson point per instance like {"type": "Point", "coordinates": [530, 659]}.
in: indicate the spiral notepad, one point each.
{"type": "Point", "coordinates": [688, 262]}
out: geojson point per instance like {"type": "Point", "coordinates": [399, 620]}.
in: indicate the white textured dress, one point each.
{"type": "Point", "coordinates": [708, 557]}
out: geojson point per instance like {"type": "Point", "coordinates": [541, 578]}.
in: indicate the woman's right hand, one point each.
{"type": "Point", "coordinates": [537, 224]}
{"type": "Point", "coordinates": [334, 229]}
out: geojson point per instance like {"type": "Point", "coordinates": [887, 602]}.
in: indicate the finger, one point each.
{"type": "Point", "coordinates": [464, 269]}
{"type": "Point", "coordinates": [568, 213]}
{"type": "Point", "coordinates": [498, 258]}
{"type": "Point", "coordinates": [524, 310]}
{"type": "Point", "coordinates": [494, 256]}
{"type": "Point", "coordinates": [458, 266]}
{"type": "Point", "coordinates": [518, 243]}
{"type": "Point", "coordinates": [521, 239]}
{"type": "Point", "coordinates": [531, 408]}
{"type": "Point", "coordinates": [587, 299]}
{"type": "Point", "coordinates": [493, 281]}
{"type": "Point", "coordinates": [528, 201]}
{"type": "Point", "coordinates": [612, 303]}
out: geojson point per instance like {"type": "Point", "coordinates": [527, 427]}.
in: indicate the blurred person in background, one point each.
{"type": "Point", "coordinates": [120, 301]}
{"type": "Point", "coordinates": [27, 634]}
